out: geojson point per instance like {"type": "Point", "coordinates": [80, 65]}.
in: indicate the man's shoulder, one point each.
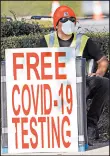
{"type": "Point", "coordinates": [42, 39]}
{"type": "Point", "coordinates": [43, 42]}
{"type": "Point", "coordinates": [82, 35]}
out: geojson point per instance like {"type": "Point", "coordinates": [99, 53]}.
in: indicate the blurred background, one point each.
{"type": "Point", "coordinates": [29, 8]}
{"type": "Point", "coordinates": [88, 13]}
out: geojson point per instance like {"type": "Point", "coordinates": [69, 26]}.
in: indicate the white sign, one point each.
{"type": "Point", "coordinates": [41, 100]}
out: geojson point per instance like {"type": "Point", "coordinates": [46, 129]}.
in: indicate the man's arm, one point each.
{"type": "Point", "coordinates": [94, 53]}
{"type": "Point", "coordinates": [102, 67]}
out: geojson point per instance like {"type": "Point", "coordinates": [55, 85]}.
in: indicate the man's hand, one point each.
{"type": "Point", "coordinates": [102, 67]}
{"type": "Point", "coordinates": [94, 74]}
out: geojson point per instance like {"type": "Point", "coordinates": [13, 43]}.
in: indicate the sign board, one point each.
{"type": "Point", "coordinates": [41, 100]}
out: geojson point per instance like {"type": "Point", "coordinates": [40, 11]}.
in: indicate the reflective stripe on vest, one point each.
{"type": "Point", "coordinates": [78, 43]}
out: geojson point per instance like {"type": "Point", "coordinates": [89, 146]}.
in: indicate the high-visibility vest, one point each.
{"type": "Point", "coordinates": [79, 43]}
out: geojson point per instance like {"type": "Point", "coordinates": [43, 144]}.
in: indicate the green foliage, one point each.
{"type": "Point", "coordinates": [42, 23]}
{"type": "Point", "coordinates": [14, 15]}
{"type": "Point", "coordinates": [30, 41]}
{"type": "Point", "coordinates": [18, 28]}
{"type": "Point", "coordinates": [102, 40]}
{"type": "Point", "coordinates": [3, 19]}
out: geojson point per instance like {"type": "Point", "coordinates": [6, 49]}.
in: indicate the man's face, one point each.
{"type": "Point", "coordinates": [63, 20]}
{"type": "Point", "coordinates": [59, 25]}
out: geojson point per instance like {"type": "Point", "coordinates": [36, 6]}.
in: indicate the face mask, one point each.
{"type": "Point", "coordinates": [68, 27]}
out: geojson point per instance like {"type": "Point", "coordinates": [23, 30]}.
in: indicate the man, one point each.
{"type": "Point", "coordinates": [64, 20]}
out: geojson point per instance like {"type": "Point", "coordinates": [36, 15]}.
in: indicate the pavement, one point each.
{"type": "Point", "coordinates": [101, 25]}
{"type": "Point", "coordinates": [97, 149]}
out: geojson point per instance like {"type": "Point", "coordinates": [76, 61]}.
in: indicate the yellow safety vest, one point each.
{"type": "Point", "coordinates": [79, 43]}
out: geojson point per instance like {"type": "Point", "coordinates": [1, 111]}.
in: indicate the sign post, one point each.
{"type": "Point", "coordinates": [81, 103]}
{"type": "Point", "coordinates": [4, 132]}
{"type": "Point", "coordinates": [41, 100]}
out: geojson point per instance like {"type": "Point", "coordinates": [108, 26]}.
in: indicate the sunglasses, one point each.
{"type": "Point", "coordinates": [63, 20]}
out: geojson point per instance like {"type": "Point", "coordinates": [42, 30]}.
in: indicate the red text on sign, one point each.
{"type": "Point", "coordinates": [57, 130]}
{"type": "Point", "coordinates": [33, 99]}
{"type": "Point", "coordinates": [40, 74]}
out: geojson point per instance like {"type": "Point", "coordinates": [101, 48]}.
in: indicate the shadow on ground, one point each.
{"type": "Point", "coordinates": [98, 144]}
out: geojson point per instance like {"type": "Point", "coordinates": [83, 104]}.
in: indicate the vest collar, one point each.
{"type": "Point", "coordinates": [56, 42]}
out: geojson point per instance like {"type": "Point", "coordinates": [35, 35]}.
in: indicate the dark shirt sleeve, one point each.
{"type": "Point", "coordinates": [43, 42]}
{"type": "Point", "coordinates": [92, 51]}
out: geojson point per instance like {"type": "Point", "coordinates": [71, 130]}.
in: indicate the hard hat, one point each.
{"type": "Point", "coordinates": [60, 12]}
